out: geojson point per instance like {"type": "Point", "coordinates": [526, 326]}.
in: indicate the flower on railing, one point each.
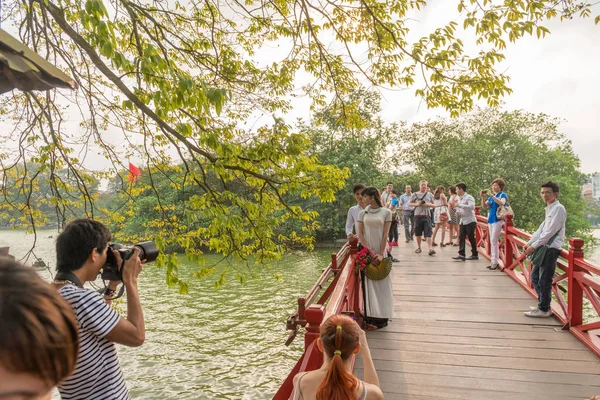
{"type": "Point", "coordinates": [363, 258]}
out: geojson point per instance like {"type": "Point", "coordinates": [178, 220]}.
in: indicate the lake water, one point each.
{"type": "Point", "coordinates": [223, 343]}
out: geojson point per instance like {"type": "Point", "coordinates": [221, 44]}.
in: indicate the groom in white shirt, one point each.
{"type": "Point", "coordinates": [353, 211]}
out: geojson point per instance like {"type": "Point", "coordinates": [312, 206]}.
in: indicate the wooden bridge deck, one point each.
{"type": "Point", "coordinates": [459, 333]}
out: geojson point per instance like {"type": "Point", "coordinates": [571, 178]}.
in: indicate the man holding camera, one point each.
{"type": "Point", "coordinates": [423, 201]}
{"type": "Point", "coordinates": [81, 251]}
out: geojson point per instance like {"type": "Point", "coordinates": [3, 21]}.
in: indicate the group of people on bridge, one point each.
{"type": "Point", "coordinates": [376, 216]}
{"type": "Point", "coordinates": [64, 334]}
{"type": "Point", "coordinates": [374, 222]}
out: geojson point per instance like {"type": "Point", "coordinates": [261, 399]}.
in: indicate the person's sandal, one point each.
{"type": "Point", "coordinates": [369, 327]}
{"type": "Point", "coordinates": [431, 252]}
{"type": "Point", "coordinates": [417, 250]}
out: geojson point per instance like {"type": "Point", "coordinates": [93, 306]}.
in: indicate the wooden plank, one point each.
{"type": "Point", "coordinates": [517, 303]}
{"type": "Point", "coordinates": [489, 337]}
{"type": "Point", "coordinates": [507, 374]}
{"type": "Point", "coordinates": [442, 315]}
{"type": "Point", "coordinates": [538, 350]}
{"type": "Point", "coordinates": [444, 323]}
{"type": "Point", "coordinates": [489, 305]}
{"type": "Point", "coordinates": [390, 382]}
{"type": "Point", "coordinates": [480, 341]}
{"type": "Point", "coordinates": [474, 360]}
{"type": "Point", "coordinates": [490, 279]}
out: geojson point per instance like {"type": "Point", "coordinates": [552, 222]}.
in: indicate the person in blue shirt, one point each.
{"type": "Point", "coordinates": [495, 225]}
{"type": "Point", "coordinates": [393, 233]}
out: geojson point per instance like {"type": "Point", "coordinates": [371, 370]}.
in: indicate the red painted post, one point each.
{"type": "Point", "coordinates": [314, 318]}
{"type": "Point", "coordinates": [357, 285]}
{"type": "Point", "coordinates": [574, 291]}
{"type": "Point", "coordinates": [301, 309]}
{"type": "Point", "coordinates": [477, 231]}
{"type": "Point", "coordinates": [508, 249]}
{"type": "Point", "coordinates": [334, 264]}
{"type": "Point", "coordinates": [353, 246]}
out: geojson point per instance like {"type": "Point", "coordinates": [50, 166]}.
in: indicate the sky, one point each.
{"type": "Point", "coordinates": [558, 75]}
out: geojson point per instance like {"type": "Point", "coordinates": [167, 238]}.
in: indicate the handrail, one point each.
{"type": "Point", "coordinates": [342, 296]}
{"type": "Point", "coordinates": [575, 276]}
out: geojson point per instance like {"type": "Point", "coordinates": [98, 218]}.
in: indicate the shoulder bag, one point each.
{"type": "Point", "coordinates": [537, 257]}
{"type": "Point", "coordinates": [502, 211]}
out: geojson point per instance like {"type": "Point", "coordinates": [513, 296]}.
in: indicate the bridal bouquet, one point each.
{"type": "Point", "coordinates": [363, 258]}
{"type": "Point", "coordinates": [373, 268]}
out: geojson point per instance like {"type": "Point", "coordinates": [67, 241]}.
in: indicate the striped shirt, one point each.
{"type": "Point", "coordinates": [97, 373]}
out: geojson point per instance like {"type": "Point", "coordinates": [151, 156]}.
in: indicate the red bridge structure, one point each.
{"type": "Point", "coordinates": [459, 331]}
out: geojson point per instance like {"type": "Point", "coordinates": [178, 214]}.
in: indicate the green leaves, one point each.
{"type": "Point", "coordinates": [524, 149]}
{"type": "Point", "coordinates": [181, 87]}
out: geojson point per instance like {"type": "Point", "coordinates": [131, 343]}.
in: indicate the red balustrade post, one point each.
{"type": "Point", "coordinates": [575, 292]}
{"type": "Point", "coordinates": [357, 284]}
{"type": "Point", "coordinates": [353, 246]}
{"type": "Point", "coordinates": [314, 317]}
{"type": "Point", "coordinates": [301, 309]}
{"type": "Point", "coordinates": [477, 231]}
{"type": "Point", "coordinates": [508, 249]}
{"type": "Point", "coordinates": [334, 263]}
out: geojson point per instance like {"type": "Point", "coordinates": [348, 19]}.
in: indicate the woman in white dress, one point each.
{"type": "Point", "coordinates": [441, 206]}
{"type": "Point", "coordinates": [373, 226]}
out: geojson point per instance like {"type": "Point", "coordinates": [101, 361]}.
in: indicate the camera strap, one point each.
{"type": "Point", "coordinates": [68, 276]}
{"type": "Point", "coordinates": [120, 294]}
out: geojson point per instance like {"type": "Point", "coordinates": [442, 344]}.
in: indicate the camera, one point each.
{"type": "Point", "coordinates": [485, 191]}
{"type": "Point", "coordinates": [111, 271]}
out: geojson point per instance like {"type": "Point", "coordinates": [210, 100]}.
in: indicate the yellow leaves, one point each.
{"type": "Point", "coordinates": [541, 31]}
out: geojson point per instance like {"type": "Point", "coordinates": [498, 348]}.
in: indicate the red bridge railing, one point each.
{"type": "Point", "coordinates": [576, 279]}
{"type": "Point", "coordinates": [342, 295]}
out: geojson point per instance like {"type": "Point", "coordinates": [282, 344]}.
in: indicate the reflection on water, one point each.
{"type": "Point", "coordinates": [226, 343]}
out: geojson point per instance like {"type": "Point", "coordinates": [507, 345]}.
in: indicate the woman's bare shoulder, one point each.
{"type": "Point", "coordinates": [373, 392]}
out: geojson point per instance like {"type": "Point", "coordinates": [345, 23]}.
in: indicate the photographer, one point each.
{"type": "Point", "coordinates": [495, 224]}
{"type": "Point", "coordinates": [81, 251]}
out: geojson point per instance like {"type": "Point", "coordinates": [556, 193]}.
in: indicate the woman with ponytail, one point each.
{"type": "Point", "coordinates": [373, 225]}
{"type": "Point", "coordinates": [341, 339]}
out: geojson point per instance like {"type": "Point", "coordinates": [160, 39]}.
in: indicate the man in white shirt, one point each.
{"type": "Point", "coordinates": [81, 252]}
{"type": "Point", "coordinates": [551, 233]}
{"type": "Point", "coordinates": [407, 214]}
{"type": "Point", "coordinates": [465, 208]}
{"type": "Point", "coordinates": [352, 218]}
{"type": "Point", "coordinates": [386, 195]}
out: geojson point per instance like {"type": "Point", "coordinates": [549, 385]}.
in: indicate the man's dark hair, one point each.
{"type": "Point", "coordinates": [358, 187]}
{"type": "Point", "coordinates": [76, 242]}
{"type": "Point", "coordinates": [389, 183]}
{"type": "Point", "coordinates": [551, 185]}
{"type": "Point", "coordinates": [395, 192]}
{"type": "Point", "coordinates": [462, 186]}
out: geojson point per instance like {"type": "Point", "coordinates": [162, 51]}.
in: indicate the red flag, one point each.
{"type": "Point", "coordinates": [134, 172]}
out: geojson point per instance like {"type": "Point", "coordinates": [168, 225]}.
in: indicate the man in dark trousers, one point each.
{"type": "Point", "coordinates": [551, 233]}
{"type": "Point", "coordinates": [465, 209]}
